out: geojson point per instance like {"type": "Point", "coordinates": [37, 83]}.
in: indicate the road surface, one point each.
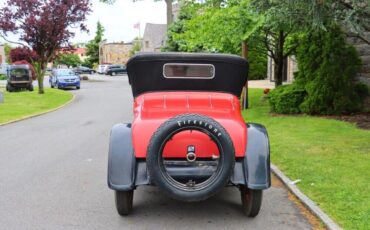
{"type": "Point", "coordinates": [53, 176]}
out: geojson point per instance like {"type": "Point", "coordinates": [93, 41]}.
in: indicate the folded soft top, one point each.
{"type": "Point", "coordinates": [152, 72]}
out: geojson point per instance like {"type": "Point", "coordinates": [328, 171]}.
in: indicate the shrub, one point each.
{"type": "Point", "coordinates": [327, 70]}
{"type": "Point", "coordinates": [2, 77]}
{"type": "Point", "coordinates": [286, 99]}
{"type": "Point", "coordinates": [362, 90]}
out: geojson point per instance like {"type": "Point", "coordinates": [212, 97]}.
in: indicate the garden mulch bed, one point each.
{"type": "Point", "coordinates": [362, 120]}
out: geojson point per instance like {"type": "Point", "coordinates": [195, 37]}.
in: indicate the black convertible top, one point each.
{"type": "Point", "coordinates": [153, 72]}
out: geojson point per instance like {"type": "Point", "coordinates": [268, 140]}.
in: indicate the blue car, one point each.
{"type": "Point", "coordinates": [64, 78]}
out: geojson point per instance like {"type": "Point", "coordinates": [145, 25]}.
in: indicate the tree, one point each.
{"type": "Point", "coordinates": [168, 8]}
{"type": "Point", "coordinates": [280, 21]}
{"type": "Point", "coordinates": [211, 28]}
{"type": "Point", "coordinates": [137, 43]}
{"type": "Point", "coordinates": [93, 46]}
{"type": "Point", "coordinates": [68, 59]}
{"type": "Point", "coordinates": [22, 54]}
{"type": "Point", "coordinates": [45, 26]}
{"type": "Point", "coordinates": [352, 15]}
{"type": "Point", "coordinates": [7, 49]}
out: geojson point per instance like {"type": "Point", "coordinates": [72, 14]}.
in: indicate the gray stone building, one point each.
{"type": "Point", "coordinates": [154, 37]}
{"type": "Point", "coordinates": [114, 52]}
{"type": "Point", "coordinates": [364, 53]}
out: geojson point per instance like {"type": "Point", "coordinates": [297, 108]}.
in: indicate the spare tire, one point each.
{"type": "Point", "coordinates": [194, 192]}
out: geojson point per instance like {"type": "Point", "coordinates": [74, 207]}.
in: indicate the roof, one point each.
{"type": "Point", "coordinates": [147, 72]}
{"type": "Point", "coordinates": [155, 34]}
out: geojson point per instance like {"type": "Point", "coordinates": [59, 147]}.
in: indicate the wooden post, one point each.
{"type": "Point", "coordinates": [245, 55]}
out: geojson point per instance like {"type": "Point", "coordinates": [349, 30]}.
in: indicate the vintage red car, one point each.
{"type": "Point", "coordinates": [188, 136]}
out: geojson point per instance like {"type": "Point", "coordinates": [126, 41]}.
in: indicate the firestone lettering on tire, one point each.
{"type": "Point", "coordinates": [200, 123]}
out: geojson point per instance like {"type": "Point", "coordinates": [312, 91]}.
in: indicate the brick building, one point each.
{"type": "Point", "coordinates": [114, 52]}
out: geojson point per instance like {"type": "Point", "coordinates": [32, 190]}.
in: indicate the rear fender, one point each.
{"type": "Point", "coordinates": [256, 162]}
{"type": "Point", "coordinates": [121, 159]}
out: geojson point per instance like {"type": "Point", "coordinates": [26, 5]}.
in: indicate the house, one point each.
{"type": "Point", "coordinates": [114, 52]}
{"type": "Point", "coordinates": [154, 37]}
{"type": "Point", "coordinates": [3, 64]}
{"type": "Point", "coordinates": [175, 10]}
{"type": "Point", "coordinates": [290, 67]}
{"type": "Point", "coordinates": [363, 50]}
{"type": "Point", "coordinates": [81, 53]}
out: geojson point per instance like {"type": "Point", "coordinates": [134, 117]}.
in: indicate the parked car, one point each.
{"type": "Point", "coordinates": [188, 136]}
{"type": "Point", "coordinates": [115, 70]}
{"type": "Point", "coordinates": [102, 68]}
{"type": "Point", "coordinates": [83, 69]}
{"type": "Point", "coordinates": [64, 78]}
{"type": "Point", "coordinates": [19, 77]}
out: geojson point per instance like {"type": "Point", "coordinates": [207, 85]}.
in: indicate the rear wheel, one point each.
{"type": "Point", "coordinates": [113, 73]}
{"type": "Point", "coordinates": [124, 200]}
{"type": "Point", "coordinates": [189, 177]}
{"type": "Point", "coordinates": [30, 88]}
{"type": "Point", "coordinates": [251, 201]}
{"type": "Point", "coordinates": [77, 87]}
{"type": "Point", "coordinates": [9, 88]}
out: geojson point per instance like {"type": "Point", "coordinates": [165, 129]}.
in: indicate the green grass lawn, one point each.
{"type": "Point", "coordinates": [22, 104]}
{"type": "Point", "coordinates": [332, 158]}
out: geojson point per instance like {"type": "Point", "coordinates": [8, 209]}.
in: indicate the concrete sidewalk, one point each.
{"type": "Point", "coordinates": [261, 84]}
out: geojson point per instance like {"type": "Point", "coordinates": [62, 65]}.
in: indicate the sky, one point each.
{"type": "Point", "coordinates": [118, 19]}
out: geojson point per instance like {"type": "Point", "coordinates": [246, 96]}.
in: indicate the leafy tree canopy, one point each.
{"type": "Point", "coordinates": [68, 59]}
{"type": "Point", "coordinates": [45, 26]}
{"type": "Point", "coordinates": [93, 46]}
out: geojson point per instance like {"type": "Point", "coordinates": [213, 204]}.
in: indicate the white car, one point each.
{"type": "Point", "coordinates": [102, 69]}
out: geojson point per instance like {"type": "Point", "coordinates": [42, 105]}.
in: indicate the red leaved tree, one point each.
{"type": "Point", "coordinates": [44, 26]}
{"type": "Point", "coordinates": [23, 54]}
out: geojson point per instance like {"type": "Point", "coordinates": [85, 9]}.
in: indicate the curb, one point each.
{"type": "Point", "coordinates": [307, 202]}
{"type": "Point", "coordinates": [40, 114]}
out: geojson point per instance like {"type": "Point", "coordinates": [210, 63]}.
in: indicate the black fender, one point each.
{"type": "Point", "coordinates": [121, 159]}
{"type": "Point", "coordinates": [256, 162]}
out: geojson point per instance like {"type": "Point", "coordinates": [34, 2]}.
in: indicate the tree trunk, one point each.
{"type": "Point", "coordinates": [169, 12]}
{"type": "Point", "coordinates": [279, 62]}
{"type": "Point", "coordinates": [40, 81]}
{"type": "Point", "coordinates": [245, 55]}
{"type": "Point", "coordinates": [40, 73]}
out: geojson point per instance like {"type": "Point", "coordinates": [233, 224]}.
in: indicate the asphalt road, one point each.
{"type": "Point", "coordinates": [53, 176]}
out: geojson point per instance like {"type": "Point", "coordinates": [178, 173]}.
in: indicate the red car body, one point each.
{"type": "Point", "coordinates": [152, 109]}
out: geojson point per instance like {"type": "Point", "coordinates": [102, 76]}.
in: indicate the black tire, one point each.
{"type": "Point", "coordinates": [30, 88]}
{"type": "Point", "coordinates": [216, 182]}
{"type": "Point", "coordinates": [78, 87]}
{"type": "Point", "coordinates": [251, 201]}
{"type": "Point", "coordinates": [113, 74]}
{"type": "Point", "coordinates": [9, 88]}
{"type": "Point", "coordinates": [51, 85]}
{"type": "Point", "coordinates": [124, 200]}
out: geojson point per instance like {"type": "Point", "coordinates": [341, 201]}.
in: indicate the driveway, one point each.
{"type": "Point", "coordinates": [53, 176]}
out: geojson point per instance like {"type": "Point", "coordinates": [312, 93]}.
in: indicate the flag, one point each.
{"type": "Point", "coordinates": [137, 25]}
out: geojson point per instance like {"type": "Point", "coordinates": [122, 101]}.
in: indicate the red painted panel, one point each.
{"type": "Point", "coordinates": [177, 147]}
{"type": "Point", "coordinates": [152, 109]}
